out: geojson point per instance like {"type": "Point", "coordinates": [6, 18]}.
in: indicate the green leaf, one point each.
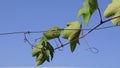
{"type": "Point", "coordinates": [38, 51]}
{"type": "Point", "coordinates": [38, 47]}
{"type": "Point", "coordinates": [52, 33]}
{"type": "Point", "coordinates": [112, 8]}
{"type": "Point", "coordinates": [51, 49]}
{"type": "Point", "coordinates": [117, 20]}
{"type": "Point", "coordinates": [39, 57]}
{"type": "Point", "coordinates": [41, 60]}
{"type": "Point", "coordinates": [72, 46]}
{"type": "Point", "coordinates": [72, 29]}
{"type": "Point", "coordinates": [35, 51]}
{"type": "Point", "coordinates": [43, 51]}
{"type": "Point", "coordinates": [41, 42]}
{"type": "Point", "coordinates": [88, 8]}
{"type": "Point", "coordinates": [72, 33]}
{"type": "Point", "coordinates": [47, 53]}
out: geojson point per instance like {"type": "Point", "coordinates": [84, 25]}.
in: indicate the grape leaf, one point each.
{"type": "Point", "coordinates": [43, 51]}
{"type": "Point", "coordinates": [117, 20]}
{"type": "Point", "coordinates": [35, 51]}
{"type": "Point", "coordinates": [71, 33]}
{"type": "Point", "coordinates": [113, 9]}
{"type": "Point", "coordinates": [40, 59]}
{"type": "Point", "coordinates": [73, 44]}
{"type": "Point", "coordinates": [47, 53]}
{"type": "Point", "coordinates": [52, 33]}
{"type": "Point", "coordinates": [38, 47]}
{"type": "Point", "coordinates": [88, 8]}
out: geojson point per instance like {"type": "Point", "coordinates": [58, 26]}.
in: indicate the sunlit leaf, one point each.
{"type": "Point", "coordinates": [72, 33]}
{"type": "Point", "coordinates": [38, 51]}
{"type": "Point", "coordinates": [117, 20]}
{"type": "Point", "coordinates": [87, 10]}
{"type": "Point", "coordinates": [113, 9]}
{"type": "Point", "coordinates": [52, 33]}
{"type": "Point", "coordinates": [35, 51]}
{"type": "Point", "coordinates": [38, 47]}
{"type": "Point", "coordinates": [43, 39]}
{"type": "Point", "coordinates": [47, 53]}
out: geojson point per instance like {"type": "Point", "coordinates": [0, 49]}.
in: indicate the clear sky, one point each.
{"type": "Point", "coordinates": [39, 15]}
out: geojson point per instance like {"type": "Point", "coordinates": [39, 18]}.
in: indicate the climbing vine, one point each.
{"type": "Point", "coordinates": [44, 50]}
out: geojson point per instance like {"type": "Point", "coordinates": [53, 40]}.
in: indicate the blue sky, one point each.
{"type": "Point", "coordinates": [39, 15]}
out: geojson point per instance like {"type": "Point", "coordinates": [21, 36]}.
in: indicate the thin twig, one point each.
{"type": "Point", "coordinates": [22, 32]}
{"type": "Point", "coordinates": [57, 45]}
{"type": "Point", "coordinates": [100, 15]}
{"type": "Point", "coordinates": [92, 49]}
{"type": "Point", "coordinates": [26, 40]}
{"type": "Point", "coordinates": [60, 41]}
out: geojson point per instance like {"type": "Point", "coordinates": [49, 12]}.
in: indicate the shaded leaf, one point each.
{"type": "Point", "coordinates": [51, 49]}
{"type": "Point", "coordinates": [72, 46]}
{"type": "Point", "coordinates": [73, 43]}
{"type": "Point", "coordinates": [52, 33]}
{"type": "Point", "coordinates": [87, 10]}
{"type": "Point", "coordinates": [39, 57]}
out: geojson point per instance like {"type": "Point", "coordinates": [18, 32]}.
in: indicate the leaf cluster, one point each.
{"type": "Point", "coordinates": [44, 51]}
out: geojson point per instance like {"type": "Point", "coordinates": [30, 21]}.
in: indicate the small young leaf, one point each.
{"type": "Point", "coordinates": [47, 53]}
{"type": "Point", "coordinates": [113, 9]}
{"type": "Point", "coordinates": [35, 51]}
{"type": "Point", "coordinates": [52, 33]}
{"type": "Point", "coordinates": [40, 62]}
{"type": "Point", "coordinates": [71, 33]}
{"type": "Point", "coordinates": [73, 43]}
{"type": "Point", "coordinates": [88, 8]}
{"type": "Point", "coordinates": [39, 57]}
{"type": "Point", "coordinates": [72, 46]}
{"type": "Point", "coordinates": [38, 47]}
{"type": "Point", "coordinates": [38, 51]}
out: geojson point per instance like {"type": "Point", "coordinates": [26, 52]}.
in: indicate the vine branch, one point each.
{"type": "Point", "coordinates": [94, 28]}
